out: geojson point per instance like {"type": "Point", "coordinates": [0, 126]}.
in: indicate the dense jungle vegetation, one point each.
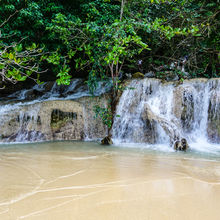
{"type": "Point", "coordinates": [99, 39]}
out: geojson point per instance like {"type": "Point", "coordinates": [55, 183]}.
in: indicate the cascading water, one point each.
{"type": "Point", "coordinates": [27, 115]}
{"type": "Point", "coordinates": [159, 113]}
{"type": "Point", "coordinates": [52, 91]}
{"type": "Point", "coordinates": [151, 112]}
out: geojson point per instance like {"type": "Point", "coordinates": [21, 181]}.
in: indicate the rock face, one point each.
{"type": "Point", "coordinates": [184, 106]}
{"type": "Point", "coordinates": [188, 106]}
{"type": "Point", "coordinates": [149, 125]}
{"type": "Point", "coordinates": [53, 120]}
{"type": "Point", "coordinates": [213, 128]}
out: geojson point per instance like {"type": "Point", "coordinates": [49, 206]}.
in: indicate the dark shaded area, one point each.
{"type": "Point", "coordinates": [59, 118]}
{"type": "Point", "coordinates": [181, 34]}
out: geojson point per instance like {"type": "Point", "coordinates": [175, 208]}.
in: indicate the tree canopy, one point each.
{"type": "Point", "coordinates": [98, 39]}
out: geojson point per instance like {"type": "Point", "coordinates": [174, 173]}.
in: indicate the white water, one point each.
{"type": "Point", "coordinates": [51, 91]}
{"type": "Point", "coordinates": [174, 111]}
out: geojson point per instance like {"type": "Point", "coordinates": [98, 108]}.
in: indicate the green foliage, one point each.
{"type": "Point", "coordinates": [104, 113]}
{"type": "Point", "coordinates": [104, 38]}
{"type": "Point", "coordinates": [169, 29]}
{"type": "Point", "coordinates": [18, 63]}
{"type": "Point", "coordinates": [63, 76]}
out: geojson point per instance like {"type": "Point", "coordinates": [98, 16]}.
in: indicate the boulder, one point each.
{"type": "Point", "coordinates": [138, 75]}
{"type": "Point", "coordinates": [184, 143]}
{"type": "Point", "coordinates": [177, 145]}
{"type": "Point", "coordinates": [106, 141]}
{"type": "Point", "coordinates": [170, 128]}
{"type": "Point", "coordinates": [181, 145]}
{"type": "Point", "coordinates": [33, 94]}
{"type": "Point", "coordinates": [171, 76]}
{"type": "Point", "coordinates": [149, 74]}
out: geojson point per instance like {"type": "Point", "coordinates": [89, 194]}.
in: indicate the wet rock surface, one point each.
{"type": "Point", "coordinates": [53, 120]}
{"type": "Point", "coordinates": [149, 111]}
{"type": "Point", "coordinates": [107, 141]}
{"type": "Point", "coordinates": [184, 106]}
{"type": "Point", "coordinates": [181, 145]}
{"type": "Point", "coordinates": [213, 128]}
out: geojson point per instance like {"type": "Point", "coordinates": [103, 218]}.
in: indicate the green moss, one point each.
{"type": "Point", "coordinates": [138, 75]}
{"type": "Point", "coordinates": [59, 119]}
{"type": "Point", "coordinates": [56, 125]}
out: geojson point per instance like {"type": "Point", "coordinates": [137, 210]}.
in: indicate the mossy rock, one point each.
{"type": "Point", "coordinates": [181, 145]}
{"type": "Point", "coordinates": [138, 75]}
{"type": "Point", "coordinates": [106, 141]}
{"type": "Point", "coordinates": [59, 119]}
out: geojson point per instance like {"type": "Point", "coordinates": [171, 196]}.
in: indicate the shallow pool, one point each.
{"type": "Point", "coordinates": [86, 181]}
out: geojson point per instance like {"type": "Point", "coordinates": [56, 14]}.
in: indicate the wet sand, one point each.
{"type": "Point", "coordinates": [84, 181]}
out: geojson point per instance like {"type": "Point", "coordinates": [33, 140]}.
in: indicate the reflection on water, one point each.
{"type": "Point", "coordinates": [75, 180]}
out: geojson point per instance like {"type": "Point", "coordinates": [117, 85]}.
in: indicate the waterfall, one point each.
{"type": "Point", "coordinates": [51, 91]}
{"type": "Point", "coordinates": [150, 112]}
{"type": "Point", "coordinates": [51, 112]}
{"type": "Point", "coordinates": [160, 113]}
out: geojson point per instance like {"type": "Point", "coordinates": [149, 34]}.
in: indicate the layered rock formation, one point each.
{"type": "Point", "coordinates": [53, 120]}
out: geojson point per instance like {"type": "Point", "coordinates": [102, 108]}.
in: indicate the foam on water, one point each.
{"type": "Point", "coordinates": [203, 145]}
{"type": "Point", "coordinates": [154, 147]}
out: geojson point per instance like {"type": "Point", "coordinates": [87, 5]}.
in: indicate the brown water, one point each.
{"type": "Point", "coordinates": [85, 181]}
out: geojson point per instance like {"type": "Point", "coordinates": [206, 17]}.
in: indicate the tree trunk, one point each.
{"type": "Point", "coordinates": [122, 9]}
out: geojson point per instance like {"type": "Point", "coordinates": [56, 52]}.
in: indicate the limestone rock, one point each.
{"type": "Point", "coordinates": [170, 76]}
{"type": "Point", "coordinates": [33, 94]}
{"type": "Point", "coordinates": [170, 128]}
{"type": "Point", "coordinates": [213, 128]}
{"type": "Point", "coordinates": [54, 120]}
{"type": "Point", "coordinates": [184, 106]}
{"type": "Point", "coordinates": [149, 126]}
